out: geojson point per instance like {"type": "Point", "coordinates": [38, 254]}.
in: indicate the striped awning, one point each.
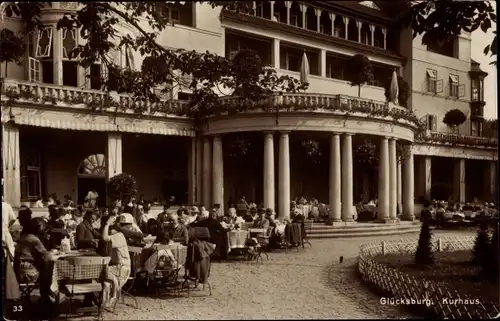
{"type": "Point", "coordinates": [103, 123]}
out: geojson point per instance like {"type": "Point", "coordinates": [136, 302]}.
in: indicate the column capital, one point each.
{"type": "Point", "coordinates": [284, 132]}
{"type": "Point", "coordinates": [385, 137]}
{"type": "Point", "coordinates": [336, 134]}
{"type": "Point", "coordinates": [348, 134]}
{"type": "Point", "coordinates": [332, 16]}
{"type": "Point", "coordinates": [318, 12]}
{"type": "Point", "coordinates": [268, 132]}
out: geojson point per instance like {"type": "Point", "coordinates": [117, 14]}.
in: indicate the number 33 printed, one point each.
{"type": "Point", "coordinates": [17, 308]}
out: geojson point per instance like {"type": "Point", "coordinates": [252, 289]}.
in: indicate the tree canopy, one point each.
{"type": "Point", "coordinates": [99, 25]}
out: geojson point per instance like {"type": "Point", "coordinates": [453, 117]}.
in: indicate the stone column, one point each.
{"type": "Point", "coordinates": [335, 179]}
{"type": "Point", "coordinates": [207, 172]}
{"type": "Point", "coordinates": [332, 20]}
{"type": "Point", "coordinates": [276, 53]}
{"type": "Point", "coordinates": [318, 20]}
{"type": "Point", "coordinates": [303, 9]}
{"type": "Point", "coordinates": [11, 164]}
{"type": "Point", "coordinates": [399, 174]}
{"type": "Point", "coordinates": [322, 55]}
{"type": "Point", "coordinates": [347, 179]}
{"type": "Point", "coordinates": [346, 25]}
{"type": "Point", "coordinates": [218, 173]}
{"type": "Point", "coordinates": [409, 181]}
{"type": "Point", "coordinates": [384, 32]}
{"type": "Point", "coordinates": [383, 181]}
{"type": "Point", "coordinates": [284, 176]}
{"type": "Point", "coordinates": [425, 171]}
{"type": "Point", "coordinates": [114, 154]}
{"type": "Point", "coordinates": [269, 199]}
{"type": "Point", "coordinates": [393, 180]}
{"type": "Point", "coordinates": [271, 7]}
{"type": "Point", "coordinates": [57, 56]}
{"type": "Point", "coordinates": [192, 171]}
{"type": "Point", "coordinates": [492, 181]}
{"type": "Point", "coordinates": [199, 170]}
{"type": "Point", "coordinates": [288, 5]}
{"type": "Point", "coordinates": [459, 180]}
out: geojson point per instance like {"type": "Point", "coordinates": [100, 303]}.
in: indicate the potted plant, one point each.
{"type": "Point", "coordinates": [122, 187]}
{"type": "Point", "coordinates": [360, 71]}
{"type": "Point", "coordinates": [12, 48]}
{"type": "Point", "coordinates": [454, 118]}
{"type": "Point", "coordinates": [403, 89]}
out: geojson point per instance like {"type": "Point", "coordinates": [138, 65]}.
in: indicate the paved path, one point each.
{"type": "Point", "coordinates": [308, 284]}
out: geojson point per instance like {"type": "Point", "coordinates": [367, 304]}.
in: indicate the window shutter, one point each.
{"type": "Point", "coordinates": [44, 43]}
{"type": "Point", "coordinates": [439, 86]}
{"type": "Point", "coordinates": [87, 78]}
{"type": "Point", "coordinates": [434, 123]}
{"type": "Point", "coordinates": [34, 69]}
{"type": "Point", "coordinates": [461, 90]}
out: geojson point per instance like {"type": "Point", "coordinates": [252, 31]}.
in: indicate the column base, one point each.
{"type": "Point", "coordinates": [335, 220]}
{"type": "Point", "coordinates": [340, 223]}
{"type": "Point", "coordinates": [410, 219]}
{"type": "Point", "coordinates": [386, 220]}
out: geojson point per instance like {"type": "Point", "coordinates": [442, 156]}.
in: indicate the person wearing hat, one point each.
{"type": "Point", "coordinates": [193, 215]}
{"type": "Point", "coordinates": [129, 229]}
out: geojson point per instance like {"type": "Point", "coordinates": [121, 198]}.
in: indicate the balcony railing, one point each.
{"type": "Point", "coordinates": [458, 140]}
{"type": "Point", "coordinates": [24, 92]}
{"type": "Point", "coordinates": [72, 97]}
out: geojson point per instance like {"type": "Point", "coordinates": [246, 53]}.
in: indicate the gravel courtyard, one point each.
{"type": "Point", "coordinates": [308, 284]}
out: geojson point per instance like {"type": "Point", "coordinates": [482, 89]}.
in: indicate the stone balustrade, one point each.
{"type": "Point", "coordinates": [73, 97]}
{"type": "Point", "coordinates": [458, 140]}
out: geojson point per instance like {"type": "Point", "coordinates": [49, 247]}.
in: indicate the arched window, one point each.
{"type": "Point", "coordinates": [94, 165]}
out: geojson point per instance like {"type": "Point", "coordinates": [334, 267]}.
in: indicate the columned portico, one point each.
{"type": "Point", "coordinates": [218, 173]}
{"type": "Point", "coordinates": [383, 181]}
{"type": "Point", "coordinates": [335, 178]}
{"type": "Point", "coordinates": [347, 179]}
{"type": "Point", "coordinates": [459, 180]}
{"type": "Point", "coordinates": [207, 171]}
{"type": "Point", "coordinates": [393, 188]}
{"type": "Point", "coordinates": [11, 164]}
{"type": "Point", "coordinates": [269, 190]}
{"type": "Point", "coordinates": [284, 176]}
{"type": "Point", "coordinates": [408, 181]}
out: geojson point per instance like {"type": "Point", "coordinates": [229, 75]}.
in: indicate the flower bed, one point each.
{"type": "Point", "coordinates": [436, 298]}
{"type": "Point", "coordinates": [458, 140]}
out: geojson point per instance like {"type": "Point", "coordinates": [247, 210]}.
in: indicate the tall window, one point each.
{"type": "Point", "coordinates": [476, 128]}
{"type": "Point", "coordinates": [475, 89]}
{"type": "Point", "coordinates": [69, 63]}
{"type": "Point", "coordinates": [31, 183]}
{"type": "Point", "coordinates": [431, 81]}
{"type": "Point", "coordinates": [41, 65]}
{"type": "Point", "coordinates": [431, 122]}
{"type": "Point", "coordinates": [453, 86]}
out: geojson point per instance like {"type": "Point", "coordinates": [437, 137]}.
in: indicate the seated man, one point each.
{"type": "Point", "coordinates": [86, 236]}
{"type": "Point", "coordinates": [129, 229]}
{"type": "Point", "coordinates": [262, 221]}
{"type": "Point", "coordinates": [178, 232]}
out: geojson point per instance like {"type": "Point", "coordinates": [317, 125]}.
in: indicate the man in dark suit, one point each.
{"type": "Point", "coordinates": [262, 221]}
{"type": "Point", "coordinates": [218, 234]}
{"type": "Point", "coordinates": [86, 236]}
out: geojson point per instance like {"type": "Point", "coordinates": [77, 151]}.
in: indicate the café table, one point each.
{"type": "Point", "coordinates": [62, 270]}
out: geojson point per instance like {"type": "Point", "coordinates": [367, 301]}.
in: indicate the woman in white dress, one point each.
{"type": "Point", "coordinates": [120, 264]}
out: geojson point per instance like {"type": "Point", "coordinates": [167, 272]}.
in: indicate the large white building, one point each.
{"type": "Point", "coordinates": [54, 143]}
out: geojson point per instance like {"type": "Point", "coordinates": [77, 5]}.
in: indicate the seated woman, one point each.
{"type": "Point", "coordinates": [31, 258]}
{"type": "Point", "coordinates": [86, 236]}
{"type": "Point", "coordinates": [153, 227]}
{"type": "Point", "coordinates": [120, 265]}
{"type": "Point", "coordinates": [162, 258]}
{"type": "Point", "coordinates": [251, 215]}
{"type": "Point", "coordinates": [56, 228]}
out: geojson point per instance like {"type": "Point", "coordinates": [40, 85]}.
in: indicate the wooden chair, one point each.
{"type": "Point", "coordinates": [89, 268]}
{"type": "Point", "coordinates": [168, 278]}
{"type": "Point", "coordinates": [308, 224]}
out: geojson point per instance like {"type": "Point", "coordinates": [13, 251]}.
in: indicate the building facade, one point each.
{"type": "Point", "coordinates": [53, 141]}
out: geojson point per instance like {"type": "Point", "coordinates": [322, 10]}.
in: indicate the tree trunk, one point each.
{"type": "Point", "coordinates": [359, 91]}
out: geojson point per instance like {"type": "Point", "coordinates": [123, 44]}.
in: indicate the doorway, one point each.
{"type": "Point", "coordinates": [92, 175]}
{"type": "Point", "coordinates": [86, 184]}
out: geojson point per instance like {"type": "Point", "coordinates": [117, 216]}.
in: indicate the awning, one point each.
{"type": "Point", "coordinates": [431, 73]}
{"type": "Point", "coordinates": [454, 79]}
{"type": "Point", "coordinates": [102, 123]}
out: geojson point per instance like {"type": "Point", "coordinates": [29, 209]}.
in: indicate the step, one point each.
{"type": "Point", "coordinates": [363, 228]}
{"type": "Point", "coordinates": [362, 234]}
{"type": "Point", "coordinates": [321, 226]}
